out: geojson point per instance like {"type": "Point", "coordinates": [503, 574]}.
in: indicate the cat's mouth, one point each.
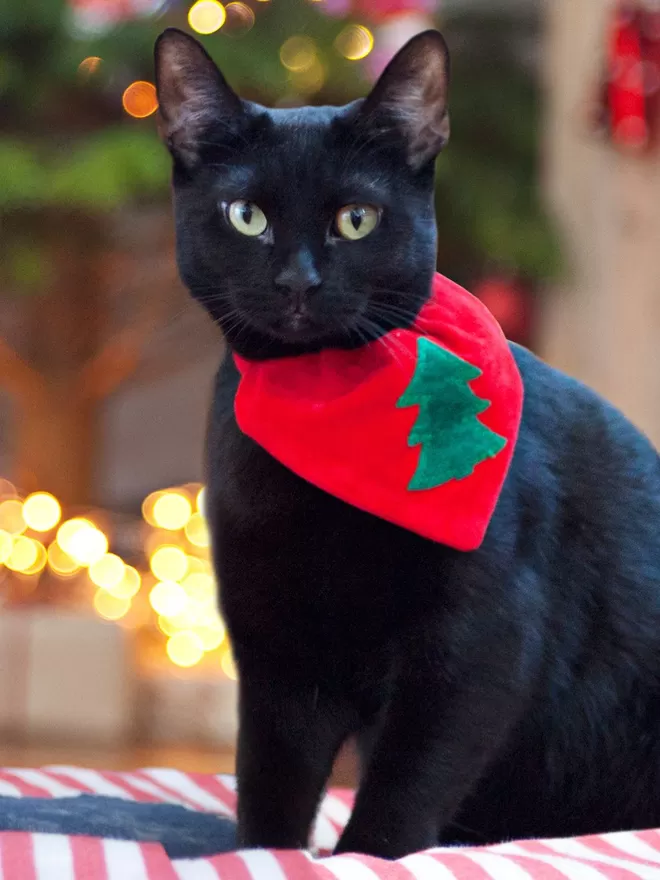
{"type": "Point", "coordinates": [301, 326]}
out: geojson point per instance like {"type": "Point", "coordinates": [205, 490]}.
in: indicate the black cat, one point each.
{"type": "Point", "coordinates": [509, 692]}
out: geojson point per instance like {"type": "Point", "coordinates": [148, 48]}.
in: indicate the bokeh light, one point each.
{"type": "Point", "coordinates": [240, 18]}
{"type": "Point", "coordinates": [107, 572]}
{"type": "Point", "coordinates": [60, 562]}
{"type": "Point", "coordinates": [110, 607]}
{"type": "Point", "coordinates": [82, 540]}
{"type": "Point", "coordinates": [169, 563]}
{"type": "Point", "coordinates": [185, 648]}
{"type": "Point", "coordinates": [140, 99]}
{"type": "Point", "coordinates": [298, 53]}
{"type": "Point", "coordinates": [90, 65]}
{"type": "Point", "coordinates": [41, 511]}
{"type": "Point", "coordinates": [148, 506]}
{"type": "Point", "coordinates": [171, 510]}
{"type": "Point", "coordinates": [211, 637]}
{"type": "Point", "coordinates": [24, 554]}
{"type": "Point", "coordinates": [200, 586]}
{"type": "Point", "coordinates": [354, 42]}
{"type": "Point", "coordinates": [11, 517]}
{"type": "Point", "coordinates": [129, 585]}
{"type": "Point", "coordinates": [228, 665]}
{"type": "Point", "coordinates": [197, 531]}
{"type": "Point", "coordinates": [168, 598]}
{"type": "Point", "coordinates": [200, 501]}
{"type": "Point", "coordinates": [206, 16]}
{"type": "Point", "coordinates": [310, 80]}
{"type": "Point", "coordinates": [40, 561]}
{"type": "Point", "coordinates": [6, 544]}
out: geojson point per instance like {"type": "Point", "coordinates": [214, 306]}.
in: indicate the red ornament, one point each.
{"type": "Point", "coordinates": [509, 303]}
{"type": "Point", "coordinates": [630, 102]}
{"type": "Point", "coordinates": [381, 10]}
{"type": "Point", "coordinates": [384, 427]}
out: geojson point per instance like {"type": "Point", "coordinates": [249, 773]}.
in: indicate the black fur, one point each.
{"type": "Point", "coordinates": [509, 692]}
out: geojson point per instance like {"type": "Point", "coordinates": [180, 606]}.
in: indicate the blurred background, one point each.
{"type": "Point", "coordinates": [111, 651]}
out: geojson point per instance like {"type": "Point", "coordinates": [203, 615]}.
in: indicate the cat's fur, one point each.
{"type": "Point", "coordinates": [509, 692]}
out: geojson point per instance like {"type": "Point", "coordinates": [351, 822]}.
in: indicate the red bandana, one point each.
{"type": "Point", "coordinates": [417, 428]}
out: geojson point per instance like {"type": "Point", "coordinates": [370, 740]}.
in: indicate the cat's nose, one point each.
{"type": "Point", "coordinates": [299, 275]}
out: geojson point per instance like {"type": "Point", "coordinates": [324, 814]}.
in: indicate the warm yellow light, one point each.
{"type": "Point", "coordinates": [11, 517]}
{"type": "Point", "coordinates": [200, 586]}
{"type": "Point", "coordinates": [6, 545]}
{"type": "Point", "coordinates": [23, 554]}
{"type": "Point", "coordinates": [140, 99]}
{"type": "Point", "coordinates": [169, 563]}
{"type": "Point", "coordinates": [211, 636]}
{"type": "Point", "coordinates": [107, 572]}
{"type": "Point", "coordinates": [354, 42]}
{"type": "Point", "coordinates": [228, 665]}
{"type": "Point", "coordinates": [198, 565]}
{"type": "Point", "coordinates": [129, 585]}
{"type": "Point", "coordinates": [60, 561]}
{"type": "Point", "coordinates": [41, 511]}
{"type": "Point", "coordinates": [240, 18]}
{"type": "Point", "coordinates": [310, 80]}
{"type": "Point", "coordinates": [111, 607]}
{"type": "Point", "coordinates": [206, 16]}
{"type": "Point", "coordinates": [172, 511]}
{"type": "Point", "coordinates": [89, 65]}
{"type": "Point", "coordinates": [40, 562]}
{"type": "Point", "coordinates": [82, 540]}
{"type": "Point", "coordinates": [148, 507]}
{"type": "Point", "coordinates": [298, 53]}
{"type": "Point", "coordinates": [168, 598]}
{"type": "Point", "coordinates": [167, 626]}
{"type": "Point", "coordinates": [197, 531]}
{"type": "Point", "coordinates": [185, 648]}
{"type": "Point", "coordinates": [200, 501]}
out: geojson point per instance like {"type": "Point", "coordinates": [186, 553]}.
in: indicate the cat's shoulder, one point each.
{"type": "Point", "coordinates": [565, 413]}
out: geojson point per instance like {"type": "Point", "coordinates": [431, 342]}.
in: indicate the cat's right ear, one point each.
{"type": "Point", "coordinates": [193, 96]}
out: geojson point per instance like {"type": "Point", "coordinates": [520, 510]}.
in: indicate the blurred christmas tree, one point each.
{"type": "Point", "coordinates": [78, 140]}
{"type": "Point", "coordinates": [66, 140]}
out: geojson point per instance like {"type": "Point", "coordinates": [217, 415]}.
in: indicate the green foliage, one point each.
{"type": "Point", "coordinates": [102, 170]}
{"type": "Point", "coordinates": [489, 207]}
{"type": "Point", "coordinates": [453, 441]}
{"type": "Point", "coordinates": [65, 140]}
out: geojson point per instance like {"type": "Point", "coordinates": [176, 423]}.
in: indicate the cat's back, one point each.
{"type": "Point", "coordinates": [575, 443]}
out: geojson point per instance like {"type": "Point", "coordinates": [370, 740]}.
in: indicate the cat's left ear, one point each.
{"type": "Point", "coordinates": [193, 96]}
{"type": "Point", "coordinates": [411, 97]}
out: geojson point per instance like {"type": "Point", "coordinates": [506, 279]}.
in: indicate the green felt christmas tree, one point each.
{"type": "Point", "coordinates": [452, 438]}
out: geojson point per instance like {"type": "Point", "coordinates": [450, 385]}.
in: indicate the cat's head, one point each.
{"type": "Point", "coordinates": [309, 227]}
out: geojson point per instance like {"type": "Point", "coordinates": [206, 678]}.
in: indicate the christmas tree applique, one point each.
{"type": "Point", "coordinates": [452, 438]}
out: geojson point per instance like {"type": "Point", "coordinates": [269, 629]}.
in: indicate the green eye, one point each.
{"type": "Point", "coordinates": [247, 217]}
{"type": "Point", "coordinates": [356, 221]}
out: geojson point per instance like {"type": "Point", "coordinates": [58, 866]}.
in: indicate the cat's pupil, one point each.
{"type": "Point", "coordinates": [247, 214]}
{"type": "Point", "coordinates": [356, 218]}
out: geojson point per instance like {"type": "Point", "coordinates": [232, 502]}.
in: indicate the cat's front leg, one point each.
{"type": "Point", "coordinates": [290, 732]}
{"type": "Point", "coordinates": [447, 719]}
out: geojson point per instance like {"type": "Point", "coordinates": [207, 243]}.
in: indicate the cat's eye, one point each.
{"type": "Point", "coordinates": [247, 217]}
{"type": "Point", "coordinates": [356, 221]}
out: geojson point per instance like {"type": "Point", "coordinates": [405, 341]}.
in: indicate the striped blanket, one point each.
{"type": "Point", "coordinates": [66, 823]}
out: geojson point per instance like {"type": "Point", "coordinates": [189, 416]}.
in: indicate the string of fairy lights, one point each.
{"type": "Point", "coordinates": [173, 594]}
{"type": "Point", "coordinates": [299, 54]}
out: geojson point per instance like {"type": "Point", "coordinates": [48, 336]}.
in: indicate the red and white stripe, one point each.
{"type": "Point", "coordinates": [24, 856]}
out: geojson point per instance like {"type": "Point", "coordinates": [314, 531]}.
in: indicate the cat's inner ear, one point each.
{"type": "Point", "coordinates": [193, 96]}
{"type": "Point", "coordinates": [411, 96]}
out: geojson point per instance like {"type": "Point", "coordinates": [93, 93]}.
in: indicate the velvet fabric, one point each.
{"type": "Point", "coordinates": [342, 420]}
